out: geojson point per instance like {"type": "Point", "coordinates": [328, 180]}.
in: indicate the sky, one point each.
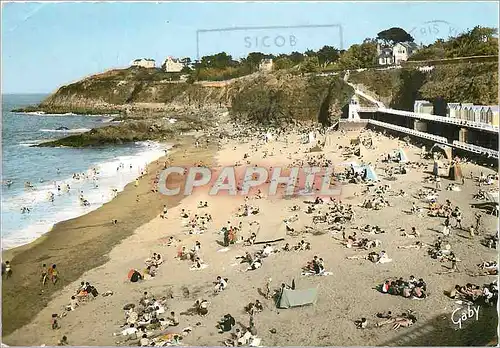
{"type": "Point", "coordinates": [46, 45]}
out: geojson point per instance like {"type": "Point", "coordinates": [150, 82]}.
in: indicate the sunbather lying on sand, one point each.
{"type": "Point", "coordinates": [404, 320]}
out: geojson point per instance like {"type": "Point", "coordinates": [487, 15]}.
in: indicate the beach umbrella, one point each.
{"type": "Point", "coordinates": [130, 273]}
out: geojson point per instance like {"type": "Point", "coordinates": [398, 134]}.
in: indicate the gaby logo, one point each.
{"type": "Point", "coordinates": [307, 181]}
{"type": "Point", "coordinates": [461, 315]}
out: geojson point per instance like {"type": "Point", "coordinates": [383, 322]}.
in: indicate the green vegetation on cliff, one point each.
{"type": "Point", "coordinates": [469, 82]}
{"type": "Point", "coordinates": [479, 41]}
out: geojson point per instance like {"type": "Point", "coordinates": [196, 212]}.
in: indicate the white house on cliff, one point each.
{"type": "Point", "coordinates": [266, 64]}
{"type": "Point", "coordinates": [173, 64]}
{"type": "Point", "coordinates": [144, 63]}
{"type": "Point", "coordinates": [396, 54]}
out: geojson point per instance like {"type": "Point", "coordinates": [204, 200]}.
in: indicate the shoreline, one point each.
{"type": "Point", "coordinates": [83, 243]}
{"type": "Point", "coordinates": [55, 219]}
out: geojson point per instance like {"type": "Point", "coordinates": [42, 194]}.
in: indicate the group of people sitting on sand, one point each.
{"type": "Point", "coordinates": [374, 257]}
{"type": "Point", "coordinates": [411, 288]}
{"type": "Point", "coordinates": [368, 229]}
{"type": "Point", "coordinates": [247, 210]}
{"type": "Point", "coordinates": [220, 284]}
{"type": "Point", "coordinates": [360, 243]}
{"type": "Point", "coordinates": [147, 321]}
{"type": "Point", "coordinates": [487, 268]}
{"type": "Point", "coordinates": [152, 264]}
{"type": "Point", "coordinates": [193, 255]}
{"type": "Point", "coordinates": [84, 293]}
{"type": "Point", "coordinates": [491, 241]}
{"type": "Point", "coordinates": [197, 224]}
{"type": "Point", "coordinates": [487, 294]}
{"type": "Point", "coordinates": [375, 203]}
{"type": "Point", "coordinates": [315, 266]}
{"type": "Point", "coordinates": [301, 246]}
{"type": "Point", "coordinates": [441, 250]}
{"type": "Point", "coordinates": [254, 261]}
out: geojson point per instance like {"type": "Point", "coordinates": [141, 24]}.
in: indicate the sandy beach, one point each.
{"type": "Point", "coordinates": [91, 249]}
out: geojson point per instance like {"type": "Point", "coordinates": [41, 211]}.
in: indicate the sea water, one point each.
{"type": "Point", "coordinates": [48, 168]}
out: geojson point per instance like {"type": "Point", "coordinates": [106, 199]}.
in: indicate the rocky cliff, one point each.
{"type": "Point", "coordinates": [144, 97]}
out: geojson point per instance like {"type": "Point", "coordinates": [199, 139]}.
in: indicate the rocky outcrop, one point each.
{"type": "Point", "coordinates": [144, 96]}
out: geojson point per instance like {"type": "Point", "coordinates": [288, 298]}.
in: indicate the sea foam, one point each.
{"type": "Point", "coordinates": [66, 205]}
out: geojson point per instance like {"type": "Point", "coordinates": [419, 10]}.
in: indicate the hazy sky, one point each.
{"type": "Point", "coordinates": [46, 45]}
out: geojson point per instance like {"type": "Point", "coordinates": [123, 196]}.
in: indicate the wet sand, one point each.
{"type": "Point", "coordinates": [83, 243]}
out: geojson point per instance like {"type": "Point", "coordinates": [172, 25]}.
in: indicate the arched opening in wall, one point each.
{"type": "Point", "coordinates": [324, 117]}
{"type": "Point", "coordinates": [439, 104]}
{"type": "Point", "coordinates": [345, 111]}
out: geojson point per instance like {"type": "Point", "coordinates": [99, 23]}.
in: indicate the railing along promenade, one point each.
{"type": "Point", "coordinates": [435, 138]}
{"type": "Point", "coordinates": [430, 117]}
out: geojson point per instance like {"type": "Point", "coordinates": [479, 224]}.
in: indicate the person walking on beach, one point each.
{"type": "Point", "coordinates": [458, 218]}
{"type": "Point", "coordinates": [43, 274]}
{"type": "Point", "coordinates": [438, 184]}
{"type": "Point", "coordinates": [478, 221]}
{"type": "Point", "coordinates": [165, 211]}
{"type": "Point", "coordinates": [53, 274]}
{"type": "Point", "coordinates": [6, 269]}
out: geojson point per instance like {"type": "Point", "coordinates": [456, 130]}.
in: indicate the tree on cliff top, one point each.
{"type": "Point", "coordinates": [479, 41]}
{"type": "Point", "coordinates": [476, 42]}
{"type": "Point", "coordinates": [220, 60]}
{"type": "Point", "coordinates": [309, 65]}
{"type": "Point", "coordinates": [359, 56]}
{"type": "Point", "coordinates": [328, 55]}
{"type": "Point", "coordinates": [394, 35]}
{"type": "Point", "coordinates": [254, 59]}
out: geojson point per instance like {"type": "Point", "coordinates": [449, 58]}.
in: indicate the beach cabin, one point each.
{"type": "Point", "coordinates": [423, 107]}
{"type": "Point", "coordinates": [489, 115]}
{"type": "Point", "coordinates": [458, 110]}
{"type": "Point", "coordinates": [453, 110]}
{"type": "Point", "coordinates": [477, 111]}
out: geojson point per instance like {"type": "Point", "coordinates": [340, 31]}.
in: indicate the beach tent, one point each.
{"type": "Point", "coordinates": [297, 298]}
{"type": "Point", "coordinates": [492, 197]}
{"type": "Point", "coordinates": [134, 276]}
{"type": "Point", "coordinates": [491, 203]}
{"type": "Point", "coordinates": [455, 172]}
{"type": "Point", "coordinates": [444, 150]}
{"type": "Point", "coordinates": [370, 172]}
{"type": "Point", "coordinates": [270, 234]}
{"type": "Point", "coordinates": [355, 141]}
{"type": "Point", "coordinates": [312, 138]}
{"type": "Point", "coordinates": [402, 155]}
